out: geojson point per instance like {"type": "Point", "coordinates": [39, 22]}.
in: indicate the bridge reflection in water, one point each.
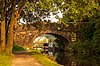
{"type": "Point", "coordinates": [58, 49]}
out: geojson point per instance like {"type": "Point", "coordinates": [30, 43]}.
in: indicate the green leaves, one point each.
{"type": "Point", "coordinates": [78, 9]}
{"type": "Point", "coordinates": [72, 10]}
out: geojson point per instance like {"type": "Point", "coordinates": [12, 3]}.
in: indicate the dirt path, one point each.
{"type": "Point", "coordinates": [24, 60]}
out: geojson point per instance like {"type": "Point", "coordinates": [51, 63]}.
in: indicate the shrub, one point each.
{"type": "Point", "coordinates": [96, 41]}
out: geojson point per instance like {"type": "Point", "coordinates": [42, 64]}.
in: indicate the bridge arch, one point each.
{"type": "Point", "coordinates": [61, 41]}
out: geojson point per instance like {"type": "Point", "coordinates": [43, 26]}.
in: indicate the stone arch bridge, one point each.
{"type": "Point", "coordinates": [25, 34]}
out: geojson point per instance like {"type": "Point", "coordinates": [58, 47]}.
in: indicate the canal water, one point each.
{"type": "Point", "coordinates": [67, 59]}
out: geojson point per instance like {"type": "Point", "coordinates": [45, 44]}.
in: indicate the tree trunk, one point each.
{"type": "Point", "coordinates": [3, 36]}
{"type": "Point", "coordinates": [10, 37]}
{"type": "Point", "coordinates": [2, 19]}
{"type": "Point", "coordinates": [11, 31]}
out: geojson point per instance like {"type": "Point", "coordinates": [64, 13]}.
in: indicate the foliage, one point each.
{"type": "Point", "coordinates": [82, 47]}
{"type": "Point", "coordinates": [91, 32]}
{"type": "Point", "coordinates": [37, 10]}
{"type": "Point", "coordinates": [17, 48]}
{"type": "Point", "coordinates": [5, 60]}
{"type": "Point", "coordinates": [87, 30]}
{"type": "Point", "coordinates": [96, 41]}
{"type": "Point", "coordinates": [88, 46]}
{"type": "Point", "coordinates": [80, 11]}
{"type": "Point", "coordinates": [43, 59]}
{"type": "Point", "coordinates": [72, 10]}
{"type": "Point", "coordinates": [86, 60]}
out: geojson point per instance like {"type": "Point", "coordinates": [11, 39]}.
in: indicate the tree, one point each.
{"type": "Point", "coordinates": [37, 10]}
{"type": "Point", "coordinates": [2, 27]}
{"type": "Point", "coordinates": [91, 31]}
{"type": "Point", "coordinates": [72, 10]}
{"type": "Point", "coordinates": [9, 15]}
{"type": "Point", "coordinates": [80, 10]}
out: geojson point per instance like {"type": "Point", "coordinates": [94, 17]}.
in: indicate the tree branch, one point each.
{"type": "Point", "coordinates": [20, 7]}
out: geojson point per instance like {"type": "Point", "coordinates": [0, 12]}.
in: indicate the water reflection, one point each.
{"type": "Point", "coordinates": [66, 59]}
{"type": "Point", "coordinates": [62, 58]}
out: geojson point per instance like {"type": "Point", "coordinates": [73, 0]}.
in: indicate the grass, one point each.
{"type": "Point", "coordinates": [5, 60]}
{"type": "Point", "coordinates": [17, 48]}
{"type": "Point", "coordinates": [44, 60]}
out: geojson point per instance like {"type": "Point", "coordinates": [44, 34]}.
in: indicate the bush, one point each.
{"type": "Point", "coordinates": [91, 44]}
{"type": "Point", "coordinates": [85, 47]}
{"type": "Point", "coordinates": [96, 41]}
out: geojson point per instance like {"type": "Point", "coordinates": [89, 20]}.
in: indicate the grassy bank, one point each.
{"type": "Point", "coordinates": [44, 60]}
{"type": "Point", "coordinates": [5, 60]}
{"type": "Point", "coordinates": [17, 48]}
